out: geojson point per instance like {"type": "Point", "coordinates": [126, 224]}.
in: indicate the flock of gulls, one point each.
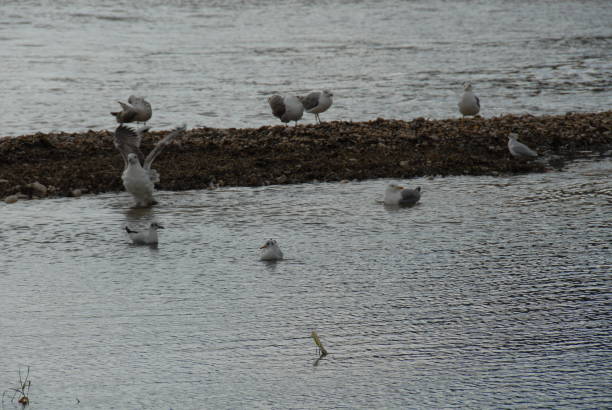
{"type": "Point", "coordinates": [139, 177]}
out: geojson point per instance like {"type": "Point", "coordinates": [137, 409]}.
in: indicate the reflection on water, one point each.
{"type": "Point", "coordinates": [215, 63]}
{"type": "Point", "coordinates": [491, 290]}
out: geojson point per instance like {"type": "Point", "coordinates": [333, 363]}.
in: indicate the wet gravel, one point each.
{"type": "Point", "coordinates": [69, 164]}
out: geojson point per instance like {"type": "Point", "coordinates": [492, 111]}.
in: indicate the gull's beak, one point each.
{"type": "Point", "coordinates": [399, 188]}
{"type": "Point", "coordinates": [160, 227]}
{"type": "Point", "coordinates": [265, 245]}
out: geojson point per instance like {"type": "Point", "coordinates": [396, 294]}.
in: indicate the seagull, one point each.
{"type": "Point", "coordinates": [138, 177]}
{"type": "Point", "coordinates": [317, 102]}
{"type": "Point", "coordinates": [519, 150]}
{"type": "Point", "coordinates": [469, 103]}
{"type": "Point", "coordinates": [288, 108]}
{"type": "Point", "coordinates": [148, 237]}
{"type": "Point", "coordinates": [398, 195]}
{"type": "Point", "coordinates": [271, 251]}
{"type": "Point", "coordinates": [137, 109]}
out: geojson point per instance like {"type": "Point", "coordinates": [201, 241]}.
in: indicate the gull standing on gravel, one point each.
{"type": "Point", "coordinates": [519, 150]}
{"type": "Point", "coordinates": [469, 103]}
{"type": "Point", "coordinates": [317, 102]}
{"type": "Point", "coordinates": [148, 237]}
{"type": "Point", "coordinates": [287, 108]}
{"type": "Point", "coordinates": [136, 110]}
{"type": "Point", "coordinates": [271, 251]}
{"type": "Point", "coordinates": [138, 177]}
{"type": "Point", "coordinates": [398, 195]}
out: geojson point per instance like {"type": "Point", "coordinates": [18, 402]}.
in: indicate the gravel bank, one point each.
{"type": "Point", "coordinates": [61, 164]}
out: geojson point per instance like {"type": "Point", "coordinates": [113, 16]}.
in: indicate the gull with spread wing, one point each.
{"type": "Point", "coordinates": [138, 177]}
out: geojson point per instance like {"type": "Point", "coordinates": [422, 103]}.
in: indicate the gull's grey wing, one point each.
{"type": "Point", "coordinates": [278, 105]}
{"type": "Point", "coordinates": [311, 100]}
{"type": "Point", "coordinates": [127, 113]}
{"type": "Point", "coordinates": [410, 196]}
{"type": "Point", "coordinates": [523, 150]}
{"type": "Point", "coordinates": [127, 141]}
{"type": "Point", "coordinates": [159, 147]}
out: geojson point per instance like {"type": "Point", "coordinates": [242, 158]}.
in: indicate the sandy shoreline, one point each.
{"type": "Point", "coordinates": [65, 164]}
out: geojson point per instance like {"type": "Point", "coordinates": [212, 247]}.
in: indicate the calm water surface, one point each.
{"type": "Point", "coordinates": [64, 64]}
{"type": "Point", "coordinates": [492, 292]}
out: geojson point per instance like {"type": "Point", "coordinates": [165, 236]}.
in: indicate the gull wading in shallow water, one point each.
{"type": "Point", "coordinates": [148, 237]}
{"type": "Point", "coordinates": [398, 195]}
{"type": "Point", "coordinates": [288, 108]}
{"type": "Point", "coordinates": [270, 251]}
{"type": "Point", "coordinates": [317, 102]}
{"type": "Point", "coordinates": [136, 110]}
{"type": "Point", "coordinates": [469, 103]}
{"type": "Point", "coordinates": [519, 150]}
{"type": "Point", "coordinates": [138, 177]}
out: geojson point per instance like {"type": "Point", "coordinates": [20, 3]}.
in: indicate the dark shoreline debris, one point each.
{"type": "Point", "coordinates": [70, 164]}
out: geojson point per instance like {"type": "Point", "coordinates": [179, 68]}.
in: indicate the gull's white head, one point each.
{"type": "Point", "coordinates": [394, 187]}
{"type": "Point", "coordinates": [132, 99]}
{"type": "Point", "coordinates": [513, 136]}
{"type": "Point", "coordinates": [467, 87]}
{"type": "Point", "coordinates": [271, 243]}
{"type": "Point", "coordinates": [328, 93]}
{"type": "Point", "coordinates": [393, 194]}
{"type": "Point", "coordinates": [270, 251]}
{"type": "Point", "coordinates": [133, 159]}
{"type": "Point", "coordinates": [155, 225]}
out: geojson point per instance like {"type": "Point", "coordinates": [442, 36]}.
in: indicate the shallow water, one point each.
{"type": "Point", "coordinates": [213, 63]}
{"type": "Point", "coordinates": [492, 292]}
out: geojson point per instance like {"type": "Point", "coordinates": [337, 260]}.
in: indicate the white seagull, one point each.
{"type": "Point", "coordinates": [469, 103]}
{"type": "Point", "coordinates": [148, 237]}
{"type": "Point", "coordinates": [519, 150]}
{"type": "Point", "coordinates": [287, 108]}
{"type": "Point", "coordinates": [398, 195]}
{"type": "Point", "coordinates": [317, 102]}
{"type": "Point", "coordinates": [138, 177]}
{"type": "Point", "coordinates": [136, 110]}
{"type": "Point", "coordinates": [271, 251]}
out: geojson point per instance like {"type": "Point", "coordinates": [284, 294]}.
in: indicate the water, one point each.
{"type": "Point", "coordinates": [64, 64]}
{"type": "Point", "coordinates": [492, 292]}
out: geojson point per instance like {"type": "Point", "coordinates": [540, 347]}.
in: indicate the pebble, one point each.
{"type": "Point", "coordinates": [11, 199]}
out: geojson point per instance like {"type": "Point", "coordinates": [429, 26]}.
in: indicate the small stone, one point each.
{"type": "Point", "coordinates": [4, 181]}
{"type": "Point", "coordinates": [11, 199]}
{"type": "Point", "coordinates": [404, 164]}
{"type": "Point", "coordinates": [39, 188]}
{"type": "Point", "coordinates": [76, 193]}
{"type": "Point", "coordinates": [344, 181]}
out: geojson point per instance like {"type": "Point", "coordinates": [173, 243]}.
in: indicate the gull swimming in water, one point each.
{"type": "Point", "coordinates": [271, 251]}
{"type": "Point", "coordinates": [287, 108]}
{"type": "Point", "coordinates": [317, 102]}
{"type": "Point", "coordinates": [469, 103]}
{"type": "Point", "coordinates": [519, 150]}
{"type": "Point", "coordinates": [148, 237]}
{"type": "Point", "coordinates": [398, 195]}
{"type": "Point", "coordinates": [136, 110]}
{"type": "Point", "coordinates": [138, 177]}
